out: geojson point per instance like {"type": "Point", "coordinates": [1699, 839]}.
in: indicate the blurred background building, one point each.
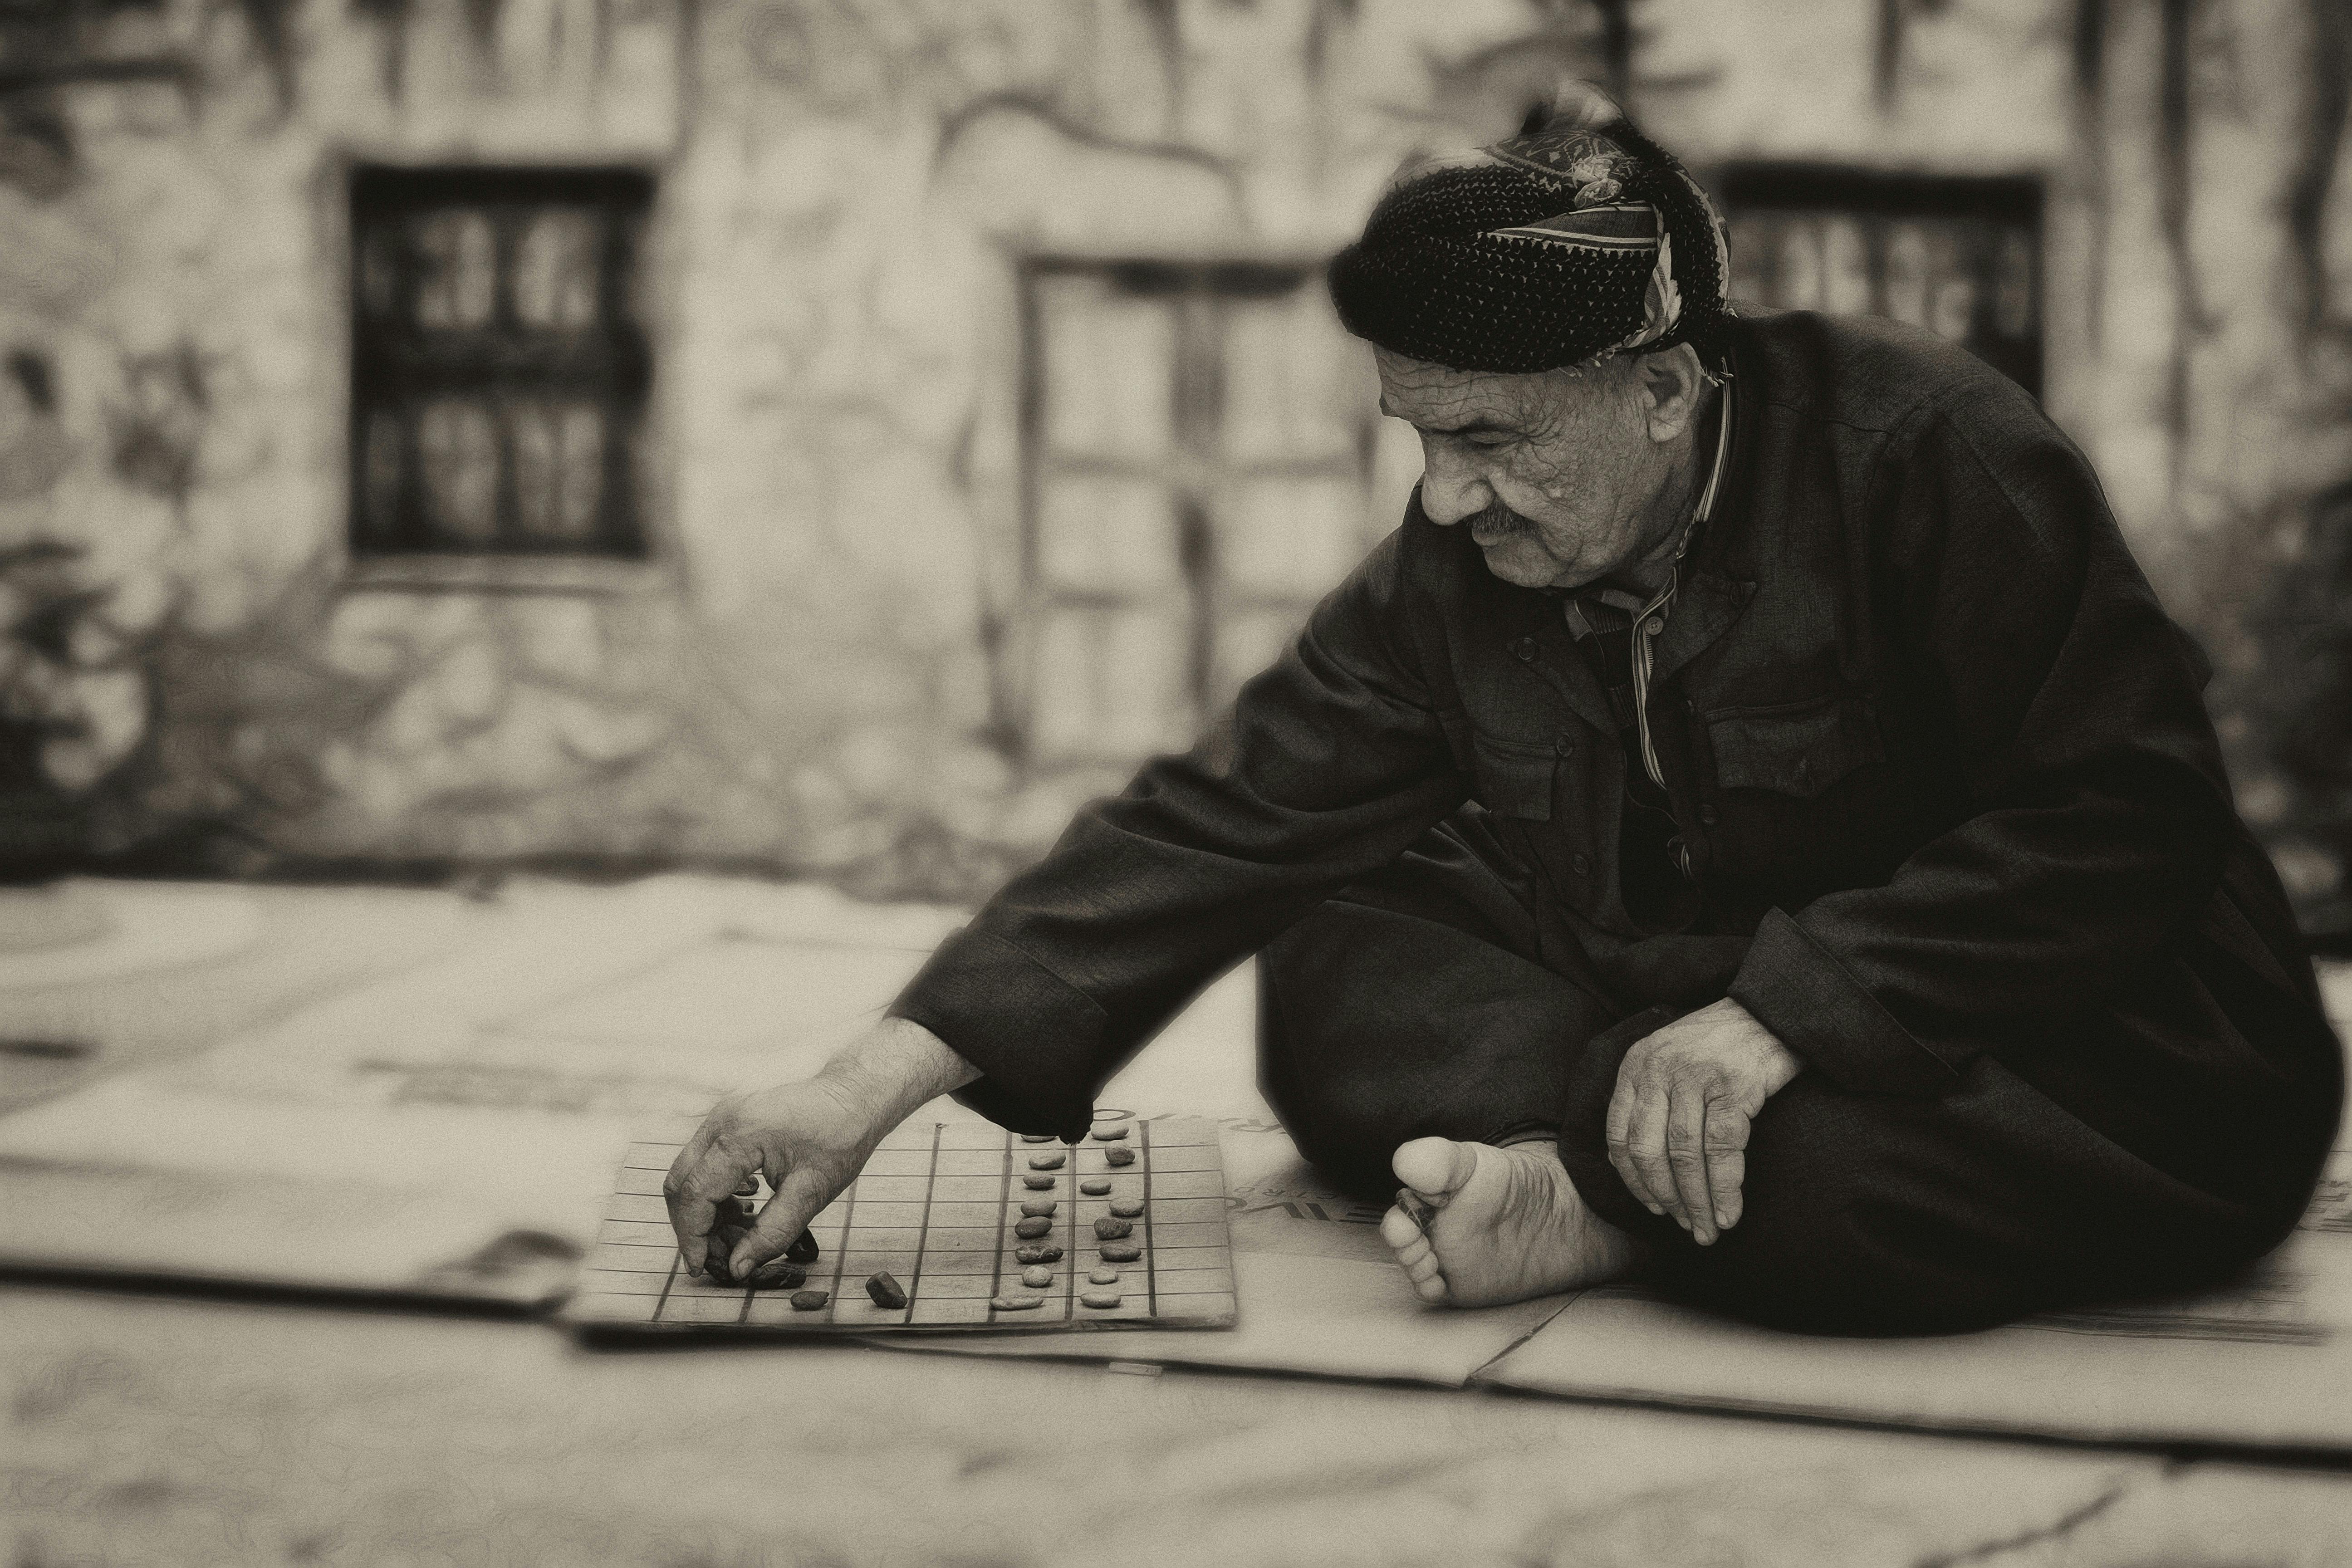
{"type": "Point", "coordinates": [840, 436]}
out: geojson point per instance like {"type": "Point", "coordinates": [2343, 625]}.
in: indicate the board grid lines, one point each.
{"type": "Point", "coordinates": [921, 1209]}
{"type": "Point", "coordinates": [1150, 1242]}
{"type": "Point", "coordinates": [922, 1231]}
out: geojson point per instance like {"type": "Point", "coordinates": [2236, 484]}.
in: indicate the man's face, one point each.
{"type": "Point", "coordinates": [1556, 474]}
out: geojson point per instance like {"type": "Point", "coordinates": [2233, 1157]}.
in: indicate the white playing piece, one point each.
{"type": "Point", "coordinates": [935, 1207]}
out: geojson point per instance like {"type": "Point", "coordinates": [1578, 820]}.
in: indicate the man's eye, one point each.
{"type": "Point", "coordinates": [1490, 442]}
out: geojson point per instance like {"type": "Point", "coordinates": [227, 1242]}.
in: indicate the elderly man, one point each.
{"type": "Point", "coordinates": [1752, 824]}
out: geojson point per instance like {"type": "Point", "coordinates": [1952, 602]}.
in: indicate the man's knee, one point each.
{"type": "Point", "coordinates": [1863, 1215]}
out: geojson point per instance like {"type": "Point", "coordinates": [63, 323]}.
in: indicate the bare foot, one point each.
{"type": "Point", "coordinates": [1507, 1225]}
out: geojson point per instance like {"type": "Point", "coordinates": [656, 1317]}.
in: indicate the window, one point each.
{"type": "Point", "coordinates": [498, 375]}
{"type": "Point", "coordinates": [1959, 255]}
{"type": "Point", "coordinates": [1198, 440]}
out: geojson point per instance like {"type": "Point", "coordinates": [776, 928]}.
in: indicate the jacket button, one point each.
{"type": "Point", "coordinates": [1652, 626]}
{"type": "Point", "coordinates": [1524, 648]}
{"type": "Point", "coordinates": [1709, 816]}
{"type": "Point", "coordinates": [1564, 745]}
{"type": "Point", "coordinates": [1582, 864]}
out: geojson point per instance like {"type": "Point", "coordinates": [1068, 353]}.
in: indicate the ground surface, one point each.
{"type": "Point", "coordinates": [147, 1429]}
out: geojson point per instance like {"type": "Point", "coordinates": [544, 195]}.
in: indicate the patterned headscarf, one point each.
{"type": "Point", "coordinates": [1576, 240]}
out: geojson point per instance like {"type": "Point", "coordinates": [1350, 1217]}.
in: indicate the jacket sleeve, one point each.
{"type": "Point", "coordinates": [1330, 765]}
{"type": "Point", "coordinates": [2099, 812]}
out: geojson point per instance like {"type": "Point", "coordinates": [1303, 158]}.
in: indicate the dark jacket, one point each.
{"type": "Point", "coordinates": [1940, 759]}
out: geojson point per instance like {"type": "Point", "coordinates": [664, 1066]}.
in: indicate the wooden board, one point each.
{"type": "Point", "coordinates": [935, 1207]}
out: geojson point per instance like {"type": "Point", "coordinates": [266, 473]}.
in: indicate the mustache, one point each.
{"type": "Point", "coordinates": [1495, 519]}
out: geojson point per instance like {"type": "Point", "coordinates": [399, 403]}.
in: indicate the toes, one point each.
{"type": "Point", "coordinates": [1435, 1167]}
{"type": "Point", "coordinates": [1422, 1267]}
{"type": "Point", "coordinates": [1432, 1288]}
{"type": "Point", "coordinates": [1399, 1231]}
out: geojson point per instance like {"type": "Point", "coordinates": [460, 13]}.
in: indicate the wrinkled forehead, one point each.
{"type": "Point", "coordinates": [1440, 396]}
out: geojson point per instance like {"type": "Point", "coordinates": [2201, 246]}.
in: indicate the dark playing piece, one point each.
{"type": "Point", "coordinates": [810, 1300]}
{"type": "Point", "coordinates": [778, 1274]}
{"type": "Point", "coordinates": [1094, 1186]}
{"type": "Point", "coordinates": [1127, 1208]}
{"type": "Point", "coordinates": [1035, 1208]}
{"type": "Point", "coordinates": [750, 1189]}
{"type": "Point", "coordinates": [719, 1249]}
{"type": "Point", "coordinates": [1109, 1229]}
{"type": "Point", "coordinates": [1037, 1183]}
{"type": "Point", "coordinates": [886, 1291]}
{"type": "Point", "coordinates": [1052, 1161]}
{"type": "Point", "coordinates": [1102, 1299]}
{"type": "Point", "coordinates": [1030, 1229]}
{"type": "Point", "coordinates": [1120, 1252]}
{"type": "Point", "coordinates": [1119, 1154]}
{"type": "Point", "coordinates": [1038, 1254]}
{"type": "Point", "coordinates": [1110, 1135]}
{"type": "Point", "coordinates": [804, 1250]}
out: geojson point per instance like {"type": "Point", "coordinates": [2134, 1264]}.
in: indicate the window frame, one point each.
{"type": "Point", "coordinates": [1197, 290]}
{"type": "Point", "coordinates": [1878, 198]}
{"type": "Point", "coordinates": [396, 365]}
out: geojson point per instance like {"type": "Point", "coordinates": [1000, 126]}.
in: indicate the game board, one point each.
{"type": "Point", "coordinates": [937, 1207]}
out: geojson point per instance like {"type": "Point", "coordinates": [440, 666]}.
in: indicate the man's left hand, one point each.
{"type": "Point", "coordinates": [1678, 1122]}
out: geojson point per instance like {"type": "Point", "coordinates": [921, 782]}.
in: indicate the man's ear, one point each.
{"type": "Point", "coordinates": [1672, 383]}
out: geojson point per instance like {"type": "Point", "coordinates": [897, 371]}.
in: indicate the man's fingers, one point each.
{"type": "Point", "coordinates": [800, 1192]}
{"type": "Point", "coordinates": [1620, 1151]}
{"type": "Point", "coordinates": [1727, 1160]}
{"type": "Point", "coordinates": [704, 1174]}
{"type": "Point", "coordinates": [1646, 1145]}
{"type": "Point", "coordinates": [1687, 1159]}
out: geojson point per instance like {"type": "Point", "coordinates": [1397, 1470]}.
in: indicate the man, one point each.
{"type": "Point", "coordinates": [1751, 825]}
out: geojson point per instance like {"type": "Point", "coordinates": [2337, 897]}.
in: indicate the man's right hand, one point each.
{"type": "Point", "coordinates": [809, 1138]}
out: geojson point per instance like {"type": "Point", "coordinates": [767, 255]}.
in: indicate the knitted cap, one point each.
{"type": "Point", "coordinates": [1575, 240]}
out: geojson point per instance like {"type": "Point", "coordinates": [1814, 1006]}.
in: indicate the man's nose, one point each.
{"type": "Point", "coordinates": [1450, 492]}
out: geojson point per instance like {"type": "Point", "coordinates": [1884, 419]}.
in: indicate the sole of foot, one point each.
{"type": "Point", "coordinates": [1504, 1225]}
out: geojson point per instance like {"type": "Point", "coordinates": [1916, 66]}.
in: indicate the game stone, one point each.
{"type": "Point", "coordinates": [1127, 1208]}
{"type": "Point", "coordinates": [1094, 1186]}
{"type": "Point", "coordinates": [1120, 1252]}
{"type": "Point", "coordinates": [1103, 1277]}
{"type": "Point", "coordinates": [810, 1300]}
{"type": "Point", "coordinates": [886, 1291]}
{"type": "Point", "coordinates": [1039, 1208]}
{"type": "Point", "coordinates": [1037, 1277]}
{"type": "Point", "coordinates": [778, 1274]}
{"type": "Point", "coordinates": [1036, 1184]}
{"type": "Point", "coordinates": [1038, 1254]}
{"type": "Point", "coordinates": [1110, 1135]}
{"type": "Point", "coordinates": [1033, 1227]}
{"type": "Point", "coordinates": [1119, 1154]}
{"type": "Point", "coordinates": [1052, 1161]}
{"type": "Point", "coordinates": [802, 1250]}
{"type": "Point", "coordinates": [1102, 1301]}
{"type": "Point", "coordinates": [750, 1189]}
{"type": "Point", "coordinates": [1109, 1229]}
{"type": "Point", "coordinates": [1017, 1303]}
{"type": "Point", "coordinates": [1036, 1137]}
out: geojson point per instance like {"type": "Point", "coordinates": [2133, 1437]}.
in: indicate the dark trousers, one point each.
{"type": "Point", "coordinates": [1430, 999]}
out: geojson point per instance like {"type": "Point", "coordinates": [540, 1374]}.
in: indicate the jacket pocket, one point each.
{"type": "Point", "coordinates": [1514, 779]}
{"type": "Point", "coordinates": [1796, 749]}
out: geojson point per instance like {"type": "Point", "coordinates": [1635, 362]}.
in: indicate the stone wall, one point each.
{"type": "Point", "coordinates": [828, 661]}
